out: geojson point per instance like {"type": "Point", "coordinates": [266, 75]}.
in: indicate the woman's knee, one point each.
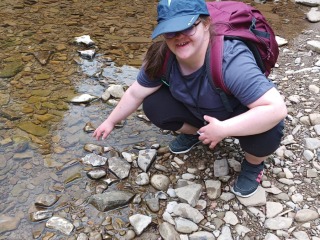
{"type": "Point", "coordinates": [263, 144]}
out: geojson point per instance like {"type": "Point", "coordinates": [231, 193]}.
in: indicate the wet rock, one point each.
{"type": "Point", "coordinates": [46, 200]}
{"type": "Point", "coordinates": [96, 174]}
{"type": "Point", "coordinates": [87, 54]}
{"type": "Point", "coordinates": [120, 167]}
{"type": "Point", "coordinates": [33, 129]}
{"type": "Point", "coordinates": [83, 98]}
{"type": "Point", "coordinates": [72, 178]}
{"type": "Point", "coordinates": [89, 127]}
{"type": "Point", "coordinates": [139, 222]}
{"type": "Point", "coordinates": [146, 158]}
{"type": "Point", "coordinates": [116, 91]}
{"type": "Point", "coordinates": [93, 148]}
{"type": "Point", "coordinates": [110, 200]}
{"type": "Point", "coordinates": [40, 215]}
{"type": "Point", "coordinates": [85, 39]}
{"type": "Point", "coordinates": [60, 224]}
{"type": "Point", "coordinates": [94, 159]}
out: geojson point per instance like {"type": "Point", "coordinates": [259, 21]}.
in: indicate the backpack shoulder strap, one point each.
{"type": "Point", "coordinates": [166, 67]}
{"type": "Point", "coordinates": [214, 70]}
{"type": "Point", "coordinates": [216, 57]}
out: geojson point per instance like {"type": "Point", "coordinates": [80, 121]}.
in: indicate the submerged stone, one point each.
{"type": "Point", "coordinates": [40, 215]}
{"type": "Point", "coordinates": [11, 69]}
{"type": "Point", "coordinates": [46, 200]}
{"type": "Point", "coordinates": [33, 129]}
{"type": "Point", "coordinates": [60, 224]}
{"type": "Point", "coordinates": [84, 98]}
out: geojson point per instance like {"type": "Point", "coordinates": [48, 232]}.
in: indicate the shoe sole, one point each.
{"type": "Point", "coordinates": [244, 196]}
{"type": "Point", "coordinates": [185, 151]}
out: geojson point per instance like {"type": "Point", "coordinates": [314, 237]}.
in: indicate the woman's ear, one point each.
{"type": "Point", "coordinates": [207, 23]}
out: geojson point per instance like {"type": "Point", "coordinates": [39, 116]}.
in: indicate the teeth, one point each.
{"type": "Point", "coordinates": [182, 44]}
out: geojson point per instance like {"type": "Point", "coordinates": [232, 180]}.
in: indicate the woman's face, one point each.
{"type": "Point", "coordinates": [186, 47]}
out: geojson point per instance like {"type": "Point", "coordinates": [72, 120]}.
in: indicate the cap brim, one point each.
{"type": "Point", "coordinates": [174, 25]}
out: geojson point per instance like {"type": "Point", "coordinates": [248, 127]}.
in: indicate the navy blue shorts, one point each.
{"type": "Point", "coordinates": [167, 113]}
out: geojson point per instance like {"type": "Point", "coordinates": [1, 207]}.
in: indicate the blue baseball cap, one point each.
{"type": "Point", "coordinates": [178, 15]}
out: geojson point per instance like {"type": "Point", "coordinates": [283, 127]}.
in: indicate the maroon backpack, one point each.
{"type": "Point", "coordinates": [236, 20]}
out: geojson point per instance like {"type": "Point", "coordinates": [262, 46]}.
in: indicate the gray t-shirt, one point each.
{"type": "Point", "coordinates": [242, 77]}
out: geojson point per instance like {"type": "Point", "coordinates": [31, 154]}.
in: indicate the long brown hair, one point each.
{"type": "Point", "coordinates": [155, 56]}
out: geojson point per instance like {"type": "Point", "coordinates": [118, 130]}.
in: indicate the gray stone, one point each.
{"type": "Point", "coordinates": [312, 143]}
{"type": "Point", "coordinates": [184, 225]}
{"type": "Point", "coordinates": [139, 222]}
{"type": "Point", "coordinates": [94, 159]}
{"type": "Point", "coordinates": [201, 235]}
{"type": "Point", "coordinates": [168, 232]}
{"type": "Point", "coordinates": [146, 158]}
{"type": "Point", "coordinates": [186, 211]}
{"type": "Point", "coordinates": [189, 194]}
{"type": "Point", "coordinates": [221, 168]}
{"type": "Point", "coordinates": [257, 199]}
{"type": "Point", "coordinates": [305, 215]}
{"type": "Point", "coordinates": [160, 182]}
{"type": "Point", "coordinates": [278, 223]}
{"type": "Point", "coordinates": [110, 200]}
{"type": "Point", "coordinates": [213, 188]}
{"type": "Point", "coordinates": [310, 3]}
{"type": "Point", "coordinates": [119, 166]}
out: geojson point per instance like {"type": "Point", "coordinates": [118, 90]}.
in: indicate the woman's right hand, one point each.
{"type": "Point", "coordinates": [103, 130]}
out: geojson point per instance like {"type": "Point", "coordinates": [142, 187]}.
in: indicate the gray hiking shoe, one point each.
{"type": "Point", "coordinates": [249, 179]}
{"type": "Point", "coordinates": [183, 143]}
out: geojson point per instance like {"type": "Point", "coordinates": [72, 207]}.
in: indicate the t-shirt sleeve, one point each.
{"type": "Point", "coordinates": [242, 76]}
{"type": "Point", "coordinates": [144, 80]}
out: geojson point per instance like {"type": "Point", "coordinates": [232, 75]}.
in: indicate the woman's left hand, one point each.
{"type": "Point", "coordinates": [213, 132]}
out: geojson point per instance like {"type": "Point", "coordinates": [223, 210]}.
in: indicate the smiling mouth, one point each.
{"type": "Point", "coordinates": [182, 44]}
